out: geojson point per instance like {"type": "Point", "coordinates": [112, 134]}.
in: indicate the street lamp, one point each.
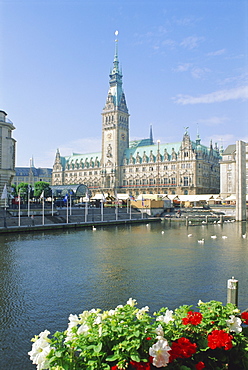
{"type": "Point", "coordinates": [158, 159]}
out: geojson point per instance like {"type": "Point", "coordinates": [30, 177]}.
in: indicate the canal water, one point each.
{"type": "Point", "coordinates": [46, 276]}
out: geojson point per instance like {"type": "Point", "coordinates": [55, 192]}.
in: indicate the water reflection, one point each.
{"type": "Point", "coordinates": [47, 276]}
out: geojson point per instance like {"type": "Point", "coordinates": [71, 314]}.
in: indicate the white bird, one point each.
{"type": "Point", "coordinates": [244, 236]}
{"type": "Point", "coordinates": [204, 222]}
{"type": "Point", "coordinates": [224, 237]}
{"type": "Point", "coordinates": [147, 225]}
{"type": "Point", "coordinates": [201, 241]}
{"type": "Point", "coordinates": [162, 232]}
{"type": "Point", "coordinates": [189, 235]}
{"type": "Point", "coordinates": [93, 228]}
{"type": "Point", "coordinates": [213, 236]}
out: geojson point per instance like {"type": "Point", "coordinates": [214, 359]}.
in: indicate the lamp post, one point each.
{"type": "Point", "coordinates": [158, 159]}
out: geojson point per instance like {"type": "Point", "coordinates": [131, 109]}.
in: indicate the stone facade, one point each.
{"type": "Point", "coordinates": [184, 167]}
{"type": "Point", "coordinates": [228, 170]}
{"type": "Point", "coordinates": [7, 153]}
{"type": "Point", "coordinates": [31, 175]}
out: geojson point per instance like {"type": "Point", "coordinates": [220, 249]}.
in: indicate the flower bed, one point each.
{"type": "Point", "coordinates": [215, 337]}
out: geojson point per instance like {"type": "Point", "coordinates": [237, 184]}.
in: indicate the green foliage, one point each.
{"type": "Point", "coordinates": [123, 338]}
{"type": "Point", "coordinates": [41, 186]}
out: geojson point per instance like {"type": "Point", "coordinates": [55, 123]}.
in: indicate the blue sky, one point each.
{"type": "Point", "coordinates": [184, 64]}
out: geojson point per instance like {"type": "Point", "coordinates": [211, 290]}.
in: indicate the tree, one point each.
{"type": "Point", "coordinates": [41, 186]}
{"type": "Point", "coordinates": [22, 188]}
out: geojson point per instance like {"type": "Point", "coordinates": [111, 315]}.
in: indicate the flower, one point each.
{"type": "Point", "coordinates": [193, 318]}
{"type": "Point", "coordinates": [131, 302]}
{"type": "Point", "coordinates": [167, 317]}
{"type": "Point", "coordinates": [140, 365]}
{"type": "Point", "coordinates": [160, 332]}
{"type": "Point", "coordinates": [234, 324]}
{"type": "Point", "coordinates": [40, 349]}
{"type": "Point", "coordinates": [159, 352]}
{"type": "Point", "coordinates": [200, 365]}
{"type": "Point", "coordinates": [129, 336]}
{"type": "Point", "coordinates": [244, 317]}
{"type": "Point", "coordinates": [219, 338]}
{"type": "Point", "coordinates": [182, 348]}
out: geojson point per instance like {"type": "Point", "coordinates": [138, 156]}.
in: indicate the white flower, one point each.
{"type": "Point", "coordinates": [40, 349]}
{"type": "Point", "coordinates": [141, 312]}
{"type": "Point", "coordinates": [200, 302]}
{"type": "Point", "coordinates": [83, 329]}
{"type": "Point", "coordinates": [159, 352]}
{"type": "Point", "coordinates": [73, 321]}
{"type": "Point", "coordinates": [234, 324]}
{"type": "Point", "coordinates": [132, 302]}
{"type": "Point", "coordinates": [166, 318]}
{"type": "Point", "coordinates": [159, 331]}
{"type": "Point", "coordinates": [98, 319]}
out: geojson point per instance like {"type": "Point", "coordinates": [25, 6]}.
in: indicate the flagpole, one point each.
{"type": "Point", "coordinates": [86, 210]}
{"type": "Point", "coordinates": [67, 213]}
{"type": "Point", "coordinates": [70, 202]}
{"type": "Point", "coordinates": [19, 209]}
{"type": "Point", "coordinates": [102, 210]}
{"type": "Point", "coordinates": [28, 200]}
{"type": "Point", "coordinates": [52, 202]}
{"type": "Point", "coordinates": [130, 210]}
{"type": "Point", "coordinates": [43, 209]}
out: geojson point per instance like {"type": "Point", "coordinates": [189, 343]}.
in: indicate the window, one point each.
{"type": "Point", "coordinates": [137, 169]}
{"type": "Point", "coordinates": [143, 169]}
{"type": "Point", "coordinates": [186, 181]}
{"type": "Point", "coordinates": [150, 168]}
{"type": "Point", "coordinates": [173, 181]}
{"type": "Point", "coordinates": [130, 170]}
{"type": "Point", "coordinates": [165, 168]}
{"type": "Point", "coordinates": [173, 166]}
{"type": "Point", "coordinates": [183, 165]}
{"type": "Point", "coordinates": [165, 180]}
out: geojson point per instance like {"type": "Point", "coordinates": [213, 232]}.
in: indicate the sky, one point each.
{"type": "Point", "coordinates": [184, 64]}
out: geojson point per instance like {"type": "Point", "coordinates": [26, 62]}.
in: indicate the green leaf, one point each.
{"type": "Point", "coordinates": [135, 357]}
{"type": "Point", "coordinates": [112, 357]}
{"type": "Point", "coordinates": [98, 347]}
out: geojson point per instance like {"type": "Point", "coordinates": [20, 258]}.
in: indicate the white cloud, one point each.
{"type": "Point", "coordinates": [240, 92]}
{"type": "Point", "coordinates": [197, 72]}
{"type": "Point", "coordinates": [216, 53]}
{"type": "Point", "coordinates": [191, 42]}
{"type": "Point", "coordinates": [182, 67]}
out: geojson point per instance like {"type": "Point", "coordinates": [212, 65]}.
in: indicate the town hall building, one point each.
{"type": "Point", "coordinates": [142, 166]}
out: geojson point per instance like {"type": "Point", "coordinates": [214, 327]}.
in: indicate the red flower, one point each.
{"type": "Point", "coordinates": [193, 318]}
{"type": "Point", "coordinates": [200, 365]}
{"type": "Point", "coordinates": [244, 316]}
{"type": "Point", "coordinates": [114, 367]}
{"type": "Point", "coordinates": [140, 365]}
{"type": "Point", "coordinates": [219, 338]}
{"type": "Point", "coordinates": [182, 348]}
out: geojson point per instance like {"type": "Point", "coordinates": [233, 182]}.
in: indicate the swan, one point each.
{"type": "Point", "coordinates": [189, 235]}
{"type": "Point", "coordinates": [224, 237]}
{"type": "Point", "coordinates": [93, 228]}
{"type": "Point", "coordinates": [201, 241]}
{"type": "Point", "coordinates": [213, 236]}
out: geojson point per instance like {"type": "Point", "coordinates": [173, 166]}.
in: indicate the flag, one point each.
{"type": "Point", "coordinates": [87, 196]}
{"type": "Point", "coordinates": [42, 195]}
{"type": "Point", "coordinates": [65, 198]}
{"type": "Point", "coordinates": [103, 198]}
{"type": "Point", "coordinates": [4, 193]}
{"type": "Point", "coordinates": [142, 202]}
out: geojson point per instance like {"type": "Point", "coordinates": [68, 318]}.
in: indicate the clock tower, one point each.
{"type": "Point", "coordinates": [115, 127]}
